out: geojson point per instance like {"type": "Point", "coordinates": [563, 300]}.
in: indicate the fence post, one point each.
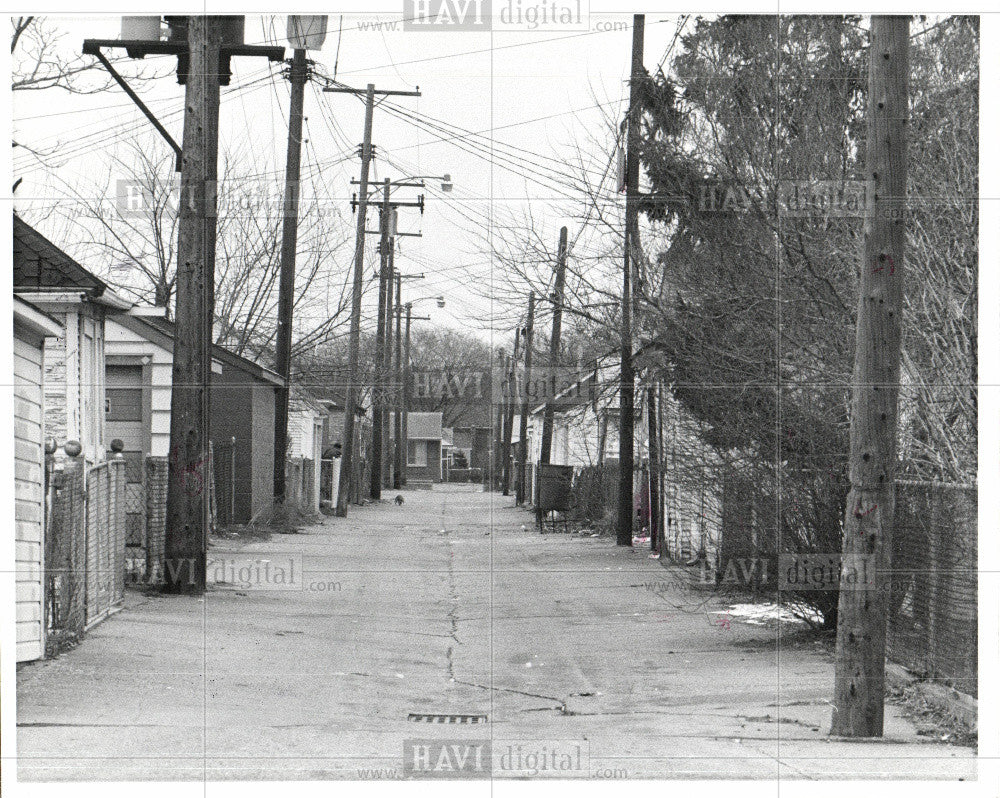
{"type": "Point", "coordinates": [232, 480]}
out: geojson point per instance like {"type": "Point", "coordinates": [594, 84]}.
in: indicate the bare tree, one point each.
{"type": "Point", "coordinates": [135, 234]}
{"type": "Point", "coordinates": [40, 60]}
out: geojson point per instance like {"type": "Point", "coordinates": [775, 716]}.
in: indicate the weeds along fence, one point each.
{"type": "Point", "coordinates": [734, 528]}
{"type": "Point", "coordinates": [594, 493]}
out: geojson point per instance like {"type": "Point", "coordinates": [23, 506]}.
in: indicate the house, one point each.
{"type": "Point", "coordinates": [464, 398]}
{"type": "Point", "coordinates": [31, 328]}
{"type": "Point", "coordinates": [241, 413]}
{"type": "Point", "coordinates": [80, 303]}
{"type": "Point", "coordinates": [584, 425]}
{"type": "Point", "coordinates": [585, 433]}
{"type": "Point", "coordinates": [74, 524]}
{"type": "Point", "coordinates": [331, 398]}
{"type": "Point", "coordinates": [424, 436]}
{"type": "Point", "coordinates": [307, 424]}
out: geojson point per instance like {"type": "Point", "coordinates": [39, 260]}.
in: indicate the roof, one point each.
{"type": "Point", "coordinates": [565, 398]}
{"type": "Point", "coordinates": [161, 331]}
{"type": "Point", "coordinates": [35, 319]}
{"type": "Point", "coordinates": [423, 426]}
{"type": "Point", "coordinates": [40, 265]}
{"type": "Point", "coordinates": [331, 395]}
{"type": "Point", "coordinates": [300, 399]}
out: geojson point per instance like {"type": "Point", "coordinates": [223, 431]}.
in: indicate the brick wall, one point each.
{"type": "Point", "coordinates": [156, 514]}
{"type": "Point", "coordinates": [55, 394]}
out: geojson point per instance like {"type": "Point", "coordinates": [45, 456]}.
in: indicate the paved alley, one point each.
{"type": "Point", "coordinates": [444, 606]}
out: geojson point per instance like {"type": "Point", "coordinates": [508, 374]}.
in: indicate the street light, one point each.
{"type": "Point", "coordinates": [446, 184]}
{"type": "Point", "coordinates": [439, 299]}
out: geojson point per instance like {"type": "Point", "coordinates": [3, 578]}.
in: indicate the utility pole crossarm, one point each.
{"type": "Point", "coordinates": [139, 48]}
{"type": "Point", "coordinates": [383, 92]}
{"type": "Point", "coordinates": [394, 184]}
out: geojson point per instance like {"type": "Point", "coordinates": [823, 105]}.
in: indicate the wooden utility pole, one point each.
{"type": "Point", "coordinates": [655, 505]}
{"type": "Point", "coordinates": [204, 46]}
{"type": "Point", "coordinates": [188, 471]}
{"type": "Point", "coordinates": [508, 424]}
{"type": "Point", "coordinates": [548, 417]}
{"type": "Point", "coordinates": [354, 344]}
{"type": "Point", "coordinates": [522, 444]}
{"type": "Point", "coordinates": [347, 447]}
{"type": "Point", "coordinates": [387, 356]}
{"type": "Point", "coordinates": [378, 389]}
{"type": "Point", "coordinates": [859, 688]}
{"type": "Point", "coordinates": [626, 428]}
{"type": "Point", "coordinates": [400, 450]}
{"type": "Point", "coordinates": [286, 286]}
{"type": "Point", "coordinates": [406, 391]}
{"type": "Point", "coordinates": [498, 380]}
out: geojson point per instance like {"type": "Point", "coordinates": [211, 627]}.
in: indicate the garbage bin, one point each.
{"type": "Point", "coordinates": [555, 487]}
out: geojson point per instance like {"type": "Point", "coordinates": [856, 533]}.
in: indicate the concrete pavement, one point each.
{"type": "Point", "coordinates": [444, 606]}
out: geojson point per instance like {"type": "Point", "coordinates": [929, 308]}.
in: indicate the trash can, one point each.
{"type": "Point", "coordinates": [555, 487]}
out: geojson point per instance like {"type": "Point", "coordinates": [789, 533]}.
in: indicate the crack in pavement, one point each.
{"type": "Point", "coordinates": [453, 610]}
{"type": "Point", "coordinates": [453, 620]}
{"type": "Point", "coordinates": [561, 704]}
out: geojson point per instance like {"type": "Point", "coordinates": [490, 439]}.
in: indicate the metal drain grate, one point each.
{"type": "Point", "coordinates": [438, 718]}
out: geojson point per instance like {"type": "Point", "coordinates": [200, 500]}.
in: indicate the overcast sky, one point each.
{"type": "Point", "coordinates": [541, 91]}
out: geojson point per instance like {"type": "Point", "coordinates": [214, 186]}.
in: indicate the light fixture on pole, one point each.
{"type": "Point", "coordinates": [446, 184]}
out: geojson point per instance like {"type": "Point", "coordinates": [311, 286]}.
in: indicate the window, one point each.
{"type": "Point", "coordinates": [416, 453]}
{"type": "Point", "coordinates": [123, 404]}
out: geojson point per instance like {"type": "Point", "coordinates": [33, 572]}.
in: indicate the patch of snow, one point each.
{"type": "Point", "coordinates": [762, 614]}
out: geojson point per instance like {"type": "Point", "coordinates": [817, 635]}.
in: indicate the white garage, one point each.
{"type": "Point", "coordinates": [31, 327]}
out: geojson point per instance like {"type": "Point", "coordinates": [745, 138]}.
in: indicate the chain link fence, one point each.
{"type": "Point", "coordinates": [933, 592]}
{"type": "Point", "coordinates": [734, 529]}
{"type": "Point", "coordinates": [84, 548]}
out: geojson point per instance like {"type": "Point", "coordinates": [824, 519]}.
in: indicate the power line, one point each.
{"type": "Point", "coordinates": [490, 50]}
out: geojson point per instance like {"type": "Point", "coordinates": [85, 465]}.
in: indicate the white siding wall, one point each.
{"type": "Point", "coordinates": [299, 444]}
{"type": "Point", "coordinates": [317, 454]}
{"type": "Point", "coordinates": [574, 438]}
{"type": "Point", "coordinates": [302, 440]}
{"type": "Point", "coordinates": [29, 481]}
{"type": "Point", "coordinates": [74, 398]}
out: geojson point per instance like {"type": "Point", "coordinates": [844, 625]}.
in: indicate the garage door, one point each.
{"type": "Point", "coordinates": [125, 419]}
